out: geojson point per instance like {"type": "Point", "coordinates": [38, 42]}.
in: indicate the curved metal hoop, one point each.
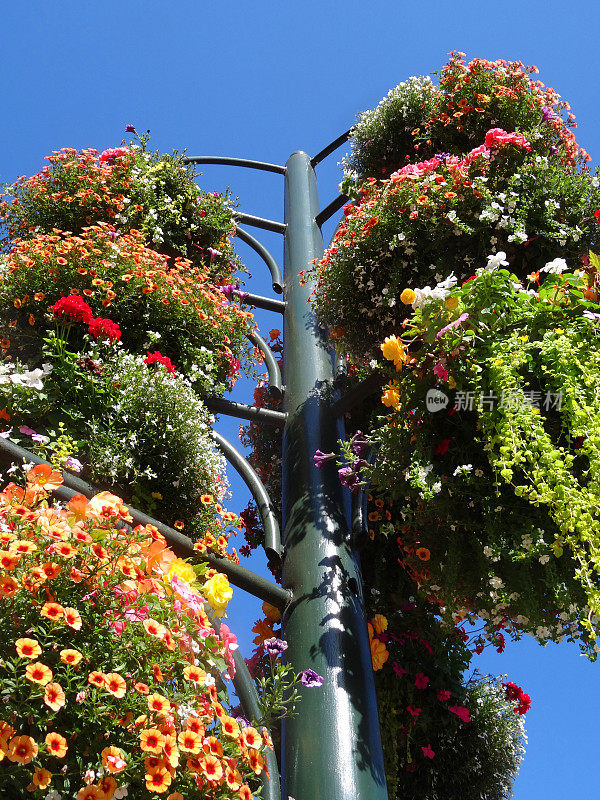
{"type": "Point", "coordinates": [235, 162]}
{"type": "Point", "coordinates": [275, 383]}
{"type": "Point", "coordinates": [266, 256]}
{"type": "Point", "coordinates": [272, 542]}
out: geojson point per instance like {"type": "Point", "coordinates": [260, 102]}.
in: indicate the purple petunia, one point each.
{"type": "Point", "coordinates": [310, 678]}
{"type": "Point", "coordinates": [274, 646]}
{"type": "Point", "coordinates": [130, 129]}
{"type": "Point", "coordinates": [321, 458]}
{"type": "Point", "coordinates": [349, 478]}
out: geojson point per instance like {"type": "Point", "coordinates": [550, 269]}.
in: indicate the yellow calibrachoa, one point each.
{"type": "Point", "coordinates": [394, 350]}
{"type": "Point", "coordinates": [391, 396]}
{"type": "Point", "coordinates": [408, 297]}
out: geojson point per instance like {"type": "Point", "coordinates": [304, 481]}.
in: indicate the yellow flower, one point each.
{"type": "Point", "coordinates": [393, 349]}
{"type": "Point", "coordinates": [182, 569]}
{"type": "Point", "coordinates": [451, 383]}
{"type": "Point", "coordinates": [391, 396]}
{"type": "Point", "coordinates": [408, 297]}
{"type": "Point", "coordinates": [451, 303]}
{"type": "Point", "coordinates": [218, 592]}
{"type": "Point", "coordinates": [379, 623]}
{"type": "Point", "coordinates": [379, 654]}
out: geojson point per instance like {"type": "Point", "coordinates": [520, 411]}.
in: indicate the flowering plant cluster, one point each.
{"type": "Point", "coordinates": [489, 453]}
{"type": "Point", "coordinates": [130, 188]}
{"type": "Point", "coordinates": [116, 277]}
{"type": "Point", "coordinates": [513, 182]}
{"type": "Point", "coordinates": [418, 118]}
{"type": "Point", "coordinates": [113, 675]}
{"type": "Point", "coordinates": [430, 707]}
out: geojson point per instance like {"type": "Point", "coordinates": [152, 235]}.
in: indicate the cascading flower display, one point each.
{"type": "Point", "coordinates": [116, 685]}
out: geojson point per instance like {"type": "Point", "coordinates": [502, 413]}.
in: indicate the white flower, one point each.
{"type": "Point", "coordinates": [544, 559]}
{"type": "Point", "coordinates": [556, 267]}
{"type": "Point", "coordinates": [496, 582]}
{"type": "Point", "coordinates": [542, 632]}
{"type": "Point", "coordinates": [54, 795]}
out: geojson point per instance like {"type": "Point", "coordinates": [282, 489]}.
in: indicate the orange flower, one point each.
{"type": "Point", "coordinates": [251, 738]}
{"type": "Point", "coordinates": [73, 618]}
{"type": "Point", "coordinates": [41, 778]}
{"type": "Point", "coordinates": [170, 751]}
{"type": "Point", "coordinates": [195, 724]}
{"type": "Point", "coordinates": [54, 697]}
{"type": "Point", "coordinates": [8, 560]}
{"type": "Point", "coordinates": [233, 779]}
{"type": "Point", "coordinates": [28, 648]}
{"type": "Point", "coordinates": [106, 787]}
{"type": "Point", "coordinates": [379, 654]}
{"type": "Point", "coordinates": [423, 553]}
{"type": "Point", "coordinates": [65, 550]}
{"type": "Point", "coordinates": [96, 679]}
{"type": "Point", "coordinates": [56, 744]}
{"type": "Point", "coordinates": [113, 759]}
{"type": "Point", "coordinates": [8, 586]}
{"type": "Point", "coordinates": [115, 684]}
{"type": "Point", "coordinates": [256, 761]}
{"type": "Point", "coordinates": [158, 704]}
{"type": "Point", "coordinates": [154, 628]}
{"type": "Point", "coordinates": [230, 727]}
{"type": "Point", "coordinates": [212, 768]}
{"type": "Point", "coordinates": [151, 741]}
{"type": "Point", "coordinates": [141, 688]}
{"type": "Point", "coordinates": [44, 477]}
{"type": "Point", "coordinates": [158, 780]}
{"type": "Point", "coordinates": [72, 657]}
{"type": "Point", "coordinates": [38, 673]}
{"type": "Point", "coordinates": [207, 500]}
{"type": "Point", "coordinates": [53, 611]}
{"type": "Point", "coordinates": [175, 796]}
{"type": "Point", "coordinates": [87, 793]}
{"type": "Point", "coordinates": [190, 742]}
{"type": "Point", "coordinates": [194, 674]}
{"type": "Point", "coordinates": [379, 623]}
{"type": "Point", "coordinates": [157, 672]}
{"type": "Point", "coordinates": [22, 749]}
{"type": "Point", "coordinates": [245, 793]}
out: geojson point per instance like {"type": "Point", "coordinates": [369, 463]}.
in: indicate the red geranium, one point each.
{"type": "Point", "coordinates": [73, 306]}
{"type": "Point", "coordinates": [157, 358]}
{"type": "Point", "coordinates": [104, 328]}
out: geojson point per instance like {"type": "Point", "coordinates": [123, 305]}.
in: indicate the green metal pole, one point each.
{"type": "Point", "coordinates": [332, 748]}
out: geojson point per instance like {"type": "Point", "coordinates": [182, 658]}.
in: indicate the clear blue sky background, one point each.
{"type": "Point", "coordinates": [261, 80]}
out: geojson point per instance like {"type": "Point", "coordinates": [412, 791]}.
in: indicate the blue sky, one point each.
{"type": "Point", "coordinates": [261, 80]}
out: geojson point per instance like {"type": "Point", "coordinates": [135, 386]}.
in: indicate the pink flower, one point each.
{"type": "Point", "coordinates": [413, 711]}
{"type": "Point", "coordinates": [461, 712]}
{"type": "Point", "coordinates": [400, 671]}
{"type": "Point", "coordinates": [498, 137]}
{"type": "Point", "coordinates": [443, 695]}
{"type": "Point", "coordinates": [440, 371]}
{"type": "Point", "coordinates": [112, 153]}
{"type": "Point", "coordinates": [451, 325]}
{"type": "Point", "coordinates": [428, 752]}
{"type": "Point", "coordinates": [421, 680]}
{"type": "Point", "coordinates": [475, 153]}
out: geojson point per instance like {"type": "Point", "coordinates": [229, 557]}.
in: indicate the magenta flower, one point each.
{"type": "Point", "coordinates": [440, 372]}
{"type": "Point", "coordinates": [130, 129]}
{"type": "Point", "coordinates": [274, 646]}
{"type": "Point", "coordinates": [321, 458]}
{"type": "Point", "coordinates": [428, 752]}
{"type": "Point", "coordinates": [310, 679]}
{"type": "Point", "coordinates": [451, 325]}
{"type": "Point", "coordinates": [421, 680]}
{"type": "Point", "coordinates": [413, 711]}
{"type": "Point", "coordinates": [461, 712]}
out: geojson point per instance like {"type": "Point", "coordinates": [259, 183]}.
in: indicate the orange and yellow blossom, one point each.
{"type": "Point", "coordinates": [22, 749]}
{"type": "Point", "coordinates": [28, 648]}
{"type": "Point", "coordinates": [56, 744]}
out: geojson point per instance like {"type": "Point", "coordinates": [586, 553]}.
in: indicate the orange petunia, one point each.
{"type": "Point", "coordinates": [256, 761]}
{"type": "Point", "coordinates": [113, 759]}
{"type": "Point", "coordinates": [65, 549]}
{"type": "Point", "coordinates": [195, 724]}
{"type": "Point", "coordinates": [141, 688]}
{"type": "Point", "coordinates": [115, 684]}
{"type": "Point", "coordinates": [96, 679]}
{"type": "Point", "coordinates": [8, 560]}
{"type": "Point", "coordinates": [175, 796]}
{"type": "Point", "coordinates": [22, 749]}
{"type": "Point", "coordinates": [72, 657]}
{"type": "Point", "coordinates": [158, 780]}
{"type": "Point", "coordinates": [73, 618]}
{"type": "Point", "coordinates": [170, 751]}
{"type": "Point", "coordinates": [87, 793]}
{"type": "Point", "coordinates": [53, 611]}
{"type": "Point", "coordinates": [106, 788]}
{"type": "Point", "coordinates": [54, 697]}
{"type": "Point", "coordinates": [423, 553]}
{"type": "Point", "coordinates": [190, 742]}
{"type": "Point", "coordinates": [194, 674]}
{"type": "Point", "coordinates": [230, 727]}
{"type": "Point", "coordinates": [154, 628]}
{"type": "Point", "coordinates": [157, 672]}
{"type": "Point", "coordinates": [56, 744]}
{"type": "Point", "coordinates": [28, 648]}
{"type": "Point", "coordinates": [233, 779]}
{"type": "Point", "coordinates": [151, 741]}
{"type": "Point", "coordinates": [212, 768]}
{"type": "Point", "coordinates": [251, 738]}
{"type": "Point", "coordinates": [44, 477]}
{"type": "Point", "coordinates": [41, 778]}
{"type": "Point", "coordinates": [8, 586]}
{"type": "Point", "coordinates": [159, 704]}
{"type": "Point", "coordinates": [245, 793]}
{"type": "Point", "coordinates": [38, 673]}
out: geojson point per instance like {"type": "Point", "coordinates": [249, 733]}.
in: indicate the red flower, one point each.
{"type": "Point", "coordinates": [421, 680]}
{"type": "Point", "coordinates": [443, 694]}
{"type": "Point", "coordinates": [413, 711]}
{"type": "Point", "coordinates": [157, 358]}
{"type": "Point", "coordinates": [104, 328]}
{"type": "Point", "coordinates": [428, 752]}
{"type": "Point", "coordinates": [461, 712]}
{"type": "Point", "coordinates": [597, 214]}
{"type": "Point", "coordinates": [73, 306]}
{"type": "Point", "coordinates": [442, 447]}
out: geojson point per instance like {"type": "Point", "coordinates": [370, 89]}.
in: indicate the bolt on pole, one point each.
{"type": "Point", "coordinates": [332, 747]}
